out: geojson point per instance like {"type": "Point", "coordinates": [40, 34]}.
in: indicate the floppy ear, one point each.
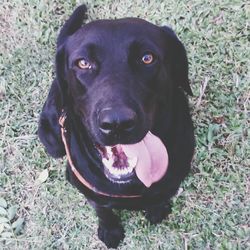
{"type": "Point", "coordinates": [72, 24]}
{"type": "Point", "coordinates": [49, 130]}
{"type": "Point", "coordinates": [69, 28]}
{"type": "Point", "coordinates": [179, 61]}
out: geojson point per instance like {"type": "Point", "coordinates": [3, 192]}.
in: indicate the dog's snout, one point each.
{"type": "Point", "coordinates": [117, 120]}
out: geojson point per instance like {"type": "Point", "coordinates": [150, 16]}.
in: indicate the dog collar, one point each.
{"type": "Point", "coordinates": [74, 169]}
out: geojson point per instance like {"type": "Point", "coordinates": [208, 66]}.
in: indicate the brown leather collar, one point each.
{"type": "Point", "coordinates": [75, 171]}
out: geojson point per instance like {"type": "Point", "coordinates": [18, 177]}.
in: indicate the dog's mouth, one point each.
{"type": "Point", "coordinates": [147, 159]}
{"type": "Point", "coordinates": [118, 167]}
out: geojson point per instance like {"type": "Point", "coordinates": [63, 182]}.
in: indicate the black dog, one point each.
{"type": "Point", "coordinates": [116, 80]}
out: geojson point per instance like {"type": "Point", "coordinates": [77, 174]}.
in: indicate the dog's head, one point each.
{"type": "Point", "coordinates": [115, 75]}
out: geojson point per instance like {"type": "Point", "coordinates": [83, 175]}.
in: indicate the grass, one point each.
{"type": "Point", "coordinates": [40, 210]}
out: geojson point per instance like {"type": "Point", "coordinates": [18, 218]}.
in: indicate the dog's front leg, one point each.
{"type": "Point", "coordinates": [155, 214]}
{"type": "Point", "coordinates": [110, 230]}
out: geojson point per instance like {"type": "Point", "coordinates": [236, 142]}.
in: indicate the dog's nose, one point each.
{"type": "Point", "coordinates": [117, 120]}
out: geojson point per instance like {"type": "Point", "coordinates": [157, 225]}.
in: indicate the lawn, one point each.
{"type": "Point", "coordinates": [40, 210]}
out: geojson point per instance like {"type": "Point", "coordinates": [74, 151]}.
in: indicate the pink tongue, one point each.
{"type": "Point", "coordinates": [152, 158]}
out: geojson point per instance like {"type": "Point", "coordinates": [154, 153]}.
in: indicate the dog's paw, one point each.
{"type": "Point", "coordinates": [158, 214]}
{"type": "Point", "coordinates": [111, 236]}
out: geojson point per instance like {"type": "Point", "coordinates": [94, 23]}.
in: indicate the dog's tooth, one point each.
{"type": "Point", "coordinates": [108, 163]}
{"type": "Point", "coordinates": [112, 170]}
{"type": "Point", "coordinates": [109, 152]}
{"type": "Point", "coordinates": [128, 170]}
{"type": "Point", "coordinates": [122, 172]}
{"type": "Point", "coordinates": [117, 171]}
{"type": "Point", "coordinates": [132, 162]}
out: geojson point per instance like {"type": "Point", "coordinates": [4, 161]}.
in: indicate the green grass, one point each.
{"type": "Point", "coordinates": [213, 210]}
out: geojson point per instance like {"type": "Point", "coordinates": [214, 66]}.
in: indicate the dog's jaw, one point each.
{"type": "Point", "coordinates": [147, 159]}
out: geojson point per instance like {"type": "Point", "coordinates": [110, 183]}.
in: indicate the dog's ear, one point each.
{"type": "Point", "coordinates": [49, 131]}
{"type": "Point", "coordinates": [73, 24]}
{"type": "Point", "coordinates": [179, 62]}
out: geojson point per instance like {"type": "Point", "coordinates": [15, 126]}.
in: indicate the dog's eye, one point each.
{"type": "Point", "coordinates": [147, 58]}
{"type": "Point", "coordinates": [83, 64]}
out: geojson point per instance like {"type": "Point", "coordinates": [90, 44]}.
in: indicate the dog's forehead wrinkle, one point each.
{"type": "Point", "coordinates": [118, 23]}
{"type": "Point", "coordinates": [114, 40]}
{"type": "Point", "coordinates": [119, 28]}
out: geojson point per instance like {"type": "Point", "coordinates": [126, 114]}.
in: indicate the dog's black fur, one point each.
{"type": "Point", "coordinates": [118, 81]}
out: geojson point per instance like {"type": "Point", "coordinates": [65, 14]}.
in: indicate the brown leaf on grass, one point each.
{"type": "Point", "coordinates": [219, 119]}
{"type": "Point", "coordinates": [43, 176]}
